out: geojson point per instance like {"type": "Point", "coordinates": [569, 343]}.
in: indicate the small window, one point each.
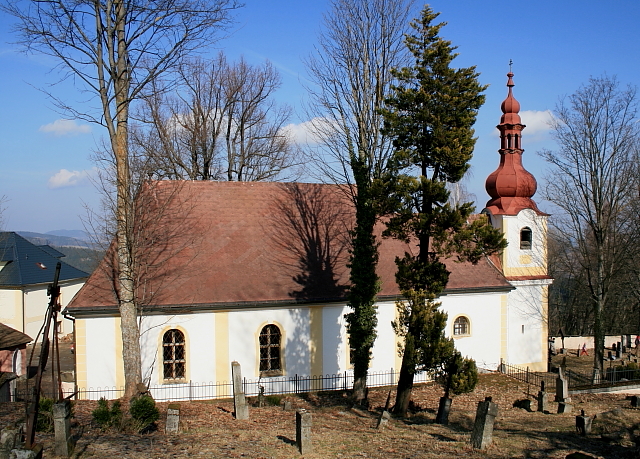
{"type": "Point", "coordinates": [461, 326]}
{"type": "Point", "coordinates": [270, 350]}
{"type": "Point", "coordinates": [173, 355]}
{"type": "Point", "coordinates": [526, 236]}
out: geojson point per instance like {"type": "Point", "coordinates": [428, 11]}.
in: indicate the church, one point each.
{"type": "Point", "coordinates": [256, 272]}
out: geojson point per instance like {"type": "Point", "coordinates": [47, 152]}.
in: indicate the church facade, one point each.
{"type": "Point", "coordinates": [257, 273]}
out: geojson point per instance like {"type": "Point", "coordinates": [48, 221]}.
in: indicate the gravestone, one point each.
{"type": "Point", "coordinates": [383, 420]}
{"type": "Point", "coordinates": [543, 400]}
{"type": "Point", "coordinates": [173, 418]}
{"type": "Point", "coordinates": [482, 434]}
{"type": "Point", "coordinates": [443, 411]}
{"type": "Point", "coordinates": [610, 355]}
{"type": "Point", "coordinates": [10, 438]}
{"type": "Point", "coordinates": [562, 391]}
{"type": "Point", "coordinates": [635, 401]}
{"type": "Point", "coordinates": [62, 428]}
{"type": "Point", "coordinates": [583, 424]}
{"type": "Point", "coordinates": [239, 401]}
{"type": "Point", "coordinates": [385, 416]}
{"type": "Point", "coordinates": [286, 405]}
{"type": "Point", "coordinates": [303, 431]}
{"type": "Point", "coordinates": [619, 351]}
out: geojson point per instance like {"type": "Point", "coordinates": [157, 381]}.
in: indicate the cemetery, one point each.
{"type": "Point", "coordinates": [490, 422]}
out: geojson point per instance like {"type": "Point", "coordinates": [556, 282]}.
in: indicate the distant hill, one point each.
{"type": "Point", "coordinates": [75, 234]}
{"type": "Point", "coordinates": [58, 240]}
{"type": "Point", "coordinates": [81, 254]}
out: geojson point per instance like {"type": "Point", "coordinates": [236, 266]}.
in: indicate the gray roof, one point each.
{"type": "Point", "coordinates": [10, 337]}
{"type": "Point", "coordinates": [28, 264]}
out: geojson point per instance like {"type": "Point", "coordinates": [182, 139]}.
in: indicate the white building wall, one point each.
{"type": "Point", "coordinates": [384, 348]}
{"type": "Point", "coordinates": [484, 314]}
{"type": "Point", "coordinates": [527, 324]}
{"type": "Point", "coordinates": [102, 354]}
{"type": "Point", "coordinates": [335, 349]}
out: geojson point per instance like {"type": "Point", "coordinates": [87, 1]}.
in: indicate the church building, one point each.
{"type": "Point", "coordinates": [256, 272]}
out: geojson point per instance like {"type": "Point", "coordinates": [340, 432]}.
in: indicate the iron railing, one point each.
{"type": "Point", "coordinates": [296, 384]}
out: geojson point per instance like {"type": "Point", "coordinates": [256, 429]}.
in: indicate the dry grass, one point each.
{"type": "Point", "coordinates": [210, 431]}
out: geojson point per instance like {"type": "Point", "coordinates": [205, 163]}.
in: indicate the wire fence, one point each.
{"type": "Point", "coordinates": [296, 384]}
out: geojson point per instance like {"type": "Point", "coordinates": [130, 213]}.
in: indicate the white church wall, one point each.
{"type": "Point", "coordinates": [385, 350]}
{"type": "Point", "coordinates": [527, 325]}
{"type": "Point", "coordinates": [483, 344]}
{"type": "Point", "coordinates": [102, 357]}
{"type": "Point", "coordinates": [244, 331]}
{"type": "Point", "coordinates": [335, 344]}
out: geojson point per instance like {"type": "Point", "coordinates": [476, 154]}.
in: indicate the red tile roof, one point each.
{"type": "Point", "coordinates": [239, 243]}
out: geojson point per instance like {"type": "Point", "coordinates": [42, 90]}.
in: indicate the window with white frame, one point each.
{"type": "Point", "coordinates": [270, 350]}
{"type": "Point", "coordinates": [461, 326]}
{"type": "Point", "coordinates": [174, 360]}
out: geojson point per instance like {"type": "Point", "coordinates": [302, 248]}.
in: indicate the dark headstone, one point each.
{"type": "Point", "coordinates": [543, 402]}
{"type": "Point", "coordinates": [635, 401]}
{"type": "Point", "coordinates": [443, 411]}
{"type": "Point", "coordinates": [583, 424]}
{"type": "Point", "coordinates": [482, 434]}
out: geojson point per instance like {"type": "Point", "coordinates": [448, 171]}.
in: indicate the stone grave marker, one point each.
{"type": "Point", "coordinates": [286, 405]}
{"type": "Point", "coordinates": [239, 400]}
{"type": "Point", "coordinates": [562, 390]}
{"type": "Point", "coordinates": [635, 401]}
{"type": "Point", "coordinates": [173, 418]}
{"type": "Point", "coordinates": [543, 399]}
{"type": "Point", "coordinates": [62, 428]}
{"type": "Point", "coordinates": [619, 351]}
{"type": "Point", "coordinates": [383, 420]}
{"type": "Point", "coordinates": [303, 431]}
{"type": "Point", "coordinates": [482, 434]}
{"type": "Point", "coordinates": [583, 424]}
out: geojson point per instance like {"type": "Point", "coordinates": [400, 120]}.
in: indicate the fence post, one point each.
{"type": "Point", "coordinates": [190, 394]}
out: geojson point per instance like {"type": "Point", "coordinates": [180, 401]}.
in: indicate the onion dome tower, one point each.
{"type": "Point", "coordinates": [524, 330]}
{"type": "Point", "coordinates": [511, 208]}
{"type": "Point", "coordinates": [511, 186]}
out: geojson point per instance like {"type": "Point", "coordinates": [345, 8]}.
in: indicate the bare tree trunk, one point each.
{"type": "Point", "coordinates": [405, 386]}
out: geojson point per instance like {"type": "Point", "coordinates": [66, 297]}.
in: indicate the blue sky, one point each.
{"type": "Point", "coordinates": [555, 46]}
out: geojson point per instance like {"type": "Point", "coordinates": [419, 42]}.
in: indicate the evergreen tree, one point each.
{"type": "Point", "coordinates": [430, 117]}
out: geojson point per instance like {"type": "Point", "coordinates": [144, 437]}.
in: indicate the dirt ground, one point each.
{"type": "Point", "coordinates": [208, 429]}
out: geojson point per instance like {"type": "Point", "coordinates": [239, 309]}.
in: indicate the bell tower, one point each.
{"type": "Point", "coordinates": [511, 207]}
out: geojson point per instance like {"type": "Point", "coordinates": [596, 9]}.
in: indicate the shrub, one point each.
{"type": "Point", "coordinates": [144, 412]}
{"type": "Point", "coordinates": [106, 417]}
{"type": "Point", "coordinates": [45, 415]}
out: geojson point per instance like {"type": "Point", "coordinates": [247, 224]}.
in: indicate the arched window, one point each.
{"type": "Point", "coordinates": [270, 349]}
{"type": "Point", "coordinates": [526, 236]}
{"type": "Point", "coordinates": [174, 355]}
{"type": "Point", "coordinates": [461, 326]}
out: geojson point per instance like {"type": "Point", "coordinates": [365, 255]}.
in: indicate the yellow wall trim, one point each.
{"type": "Point", "coordinates": [119, 360]}
{"type": "Point", "coordinates": [316, 343]}
{"type": "Point", "coordinates": [81, 353]}
{"type": "Point", "coordinates": [223, 365]}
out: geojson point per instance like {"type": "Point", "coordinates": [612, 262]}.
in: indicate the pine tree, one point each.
{"type": "Point", "coordinates": [430, 117]}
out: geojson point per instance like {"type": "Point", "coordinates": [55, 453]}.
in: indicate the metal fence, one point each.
{"type": "Point", "coordinates": [620, 375]}
{"type": "Point", "coordinates": [296, 384]}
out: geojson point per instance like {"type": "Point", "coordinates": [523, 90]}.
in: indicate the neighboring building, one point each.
{"type": "Point", "coordinates": [257, 273]}
{"type": "Point", "coordinates": [13, 360]}
{"type": "Point", "coordinates": [26, 270]}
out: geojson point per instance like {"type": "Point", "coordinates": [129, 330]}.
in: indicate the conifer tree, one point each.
{"type": "Point", "coordinates": [430, 116]}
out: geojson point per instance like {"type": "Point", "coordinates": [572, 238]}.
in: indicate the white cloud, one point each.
{"type": "Point", "coordinates": [64, 178]}
{"type": "Point", "coordinates": [303, 133]}
{"type": "Point", "coordinates": [537, 121]}
{"type": "Point", "coordinates": [65, 127]}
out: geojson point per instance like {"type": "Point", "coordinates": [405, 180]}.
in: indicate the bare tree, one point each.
{"type": "Point", "coordinates": [114, 50]}
{"type": "Point", "coordinates": [220, 123]}
{"type": "Point", "coordinates": [594, 184]}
